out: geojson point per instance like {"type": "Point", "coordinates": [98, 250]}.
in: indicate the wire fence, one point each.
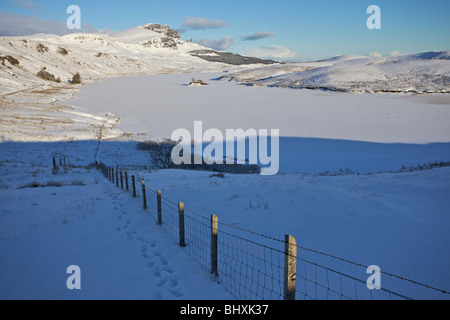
{"type": "Point", "coordinates": [254, 266]}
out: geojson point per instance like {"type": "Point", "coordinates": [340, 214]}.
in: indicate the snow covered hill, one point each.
{"type": "Point", "coordinates": [28, 111]}
{"type": "Point", "coordinates": [157, 49]}
{"type": "Point", "coordinates": [136, 51]}
{"type": "Point", "coordinates": [418, 73]}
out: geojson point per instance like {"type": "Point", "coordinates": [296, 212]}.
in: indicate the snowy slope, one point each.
{"type": "Point", "coordinates": [86, 221]}
{"type": "Point", "coordinates": [95, 56]}
{"type": "Point", "coordinates": [397, 221]}
{"type": "Point", "coordinates": [28, 111]}
{"type": "Point", "coordinates": [418, 73]}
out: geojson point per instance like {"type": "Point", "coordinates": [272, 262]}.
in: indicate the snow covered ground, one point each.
{"type": "Point", "coordinates": [320, 131]}
{"type": "Point", "coordinates": [89, 223]}
{"type": "Point", "coordinates": [426, 72]}
{"type": "Point", "coordinates": [397, 221]}
{"type": "Point", "coordinates": [324, 195]}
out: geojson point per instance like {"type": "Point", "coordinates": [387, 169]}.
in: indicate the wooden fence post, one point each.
{"type": "Point", "coordinates": [290, 267]}
{"type": "Point", "coordinates": [181, 223]}
{"type": "Point", "coordinates": [117, 178]}
{"type": "Point", "coordinates": [112, 174]}
{"type": "Point", "coordinates": [133, 182]}
{"type": "Point", "coordinates": [144, 198]}
{"type": "Point", "coordinates": [214, 243]}
{"type": "Point", "coordinates": [158, 196]}
{"type": "Point", "coordinates": [126, 181]}
{"type": "Point", "coordinates": [121, 180]}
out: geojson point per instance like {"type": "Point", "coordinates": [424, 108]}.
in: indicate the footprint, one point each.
{"type": "Point", "coordinates": [161, 282]}
{"type": "Point", "coordinates": [173, 283]}
{"type": "Point", "coordinates": [151, 264]}
{"type": "Point", "coordinates": [176, 293]}
{"type": "Point", "coordinates": [157, 273]}
{"type": "Point", "coordinates": [168, 269]}
{"type": "Point", "coordinates": [164, 261]}
{"type": "Point", "coordinates": [157, 253]}
{"type": "Point", "coordinates": [130, 235]}
{"type": "Point", "coordinates": [142, 240]}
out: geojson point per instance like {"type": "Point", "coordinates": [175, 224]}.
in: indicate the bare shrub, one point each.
{"type": "Point", "coordinates": [44, 74]}
{"type": "Point", "coordinates": [63, 51]}
{"type": "Point", "coordinates": [76, 79]}
{"type": "Point", "coordinates": [56, 184]}
{"type": "Point", "coordinates": [41, 48]}
{"type": "Point", "coordinates": [217, 175]}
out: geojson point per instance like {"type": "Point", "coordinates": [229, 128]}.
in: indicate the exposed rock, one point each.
{"type": "Point", "coordinates": [165, 30]}
{"type": "Point", "coordinates": [167, 43]}
{"type": "Point", "coordinates": [228, 57]}
{"type": "Point", "coordinates": [197, 83]}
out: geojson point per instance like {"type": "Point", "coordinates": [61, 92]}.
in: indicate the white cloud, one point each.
{"type": "Point", "coordinates": [26, 4]}
{"type": "Point", "coordinates": [221, 44]}
{"type": "Point", "coordinates": [272, 52]}
{"type": "Point", "coordinates": [394, 53]}
{"type": "Point", "coordinates": [259, 35]}
{"type": "Point", "coordinates": [375, 54]}
{"type": "Point", "coordinates": [12, 24]}
{"type": "Point", "coordinates": [197, 23]}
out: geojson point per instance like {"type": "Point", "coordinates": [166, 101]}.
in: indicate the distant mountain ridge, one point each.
{"type": "Point", "coordinates": [229, 57]}
{"type": "Point", "coordinates": [427, 72]}
{"type": "Point", "coordinates": [158, 49]}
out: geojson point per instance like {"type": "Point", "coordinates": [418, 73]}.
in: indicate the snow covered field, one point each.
{"type": "Point", "coordinates": [320, 131]}
{"type": "Point", "coordinates": [91, 224]}
{"type": "Point", "coordinates": [398, 221]}
{"type": "Point", "coordinates": [339, 189]}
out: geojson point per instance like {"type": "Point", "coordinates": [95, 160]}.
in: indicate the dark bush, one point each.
{"type": "Point", "coordinates": [13, 61]}
{"type": "Point", "coordinates": [76, 79]}
{"type": "Point", "coordinates": [41, 48]}
{"type": "Point", "coordinates": [63, 51]}
{"type": "Point", "coordinates": [44, 74]}
{"type": "Point", "coordinates": [217, 175]}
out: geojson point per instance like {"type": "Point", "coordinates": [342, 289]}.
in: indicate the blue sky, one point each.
{"type": "Point", "coordinates": [285, 29]}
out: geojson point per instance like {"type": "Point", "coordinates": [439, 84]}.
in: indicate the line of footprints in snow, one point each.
{"type": "Point", "coordinates": [155, 259]}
